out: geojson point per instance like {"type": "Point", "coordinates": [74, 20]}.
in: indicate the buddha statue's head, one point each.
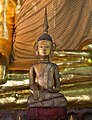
{"type": "Point", "coordinates": [44, 45]}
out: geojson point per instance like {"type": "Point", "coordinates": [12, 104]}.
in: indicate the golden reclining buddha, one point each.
{"type": "Point", "coordinates": [69, 26]}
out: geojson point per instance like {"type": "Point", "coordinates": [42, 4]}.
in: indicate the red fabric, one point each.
{"type": "Point", "coordinates": [47, 113]}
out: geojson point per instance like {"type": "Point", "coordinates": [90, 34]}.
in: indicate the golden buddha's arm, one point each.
{"type": "Point", "coordinates": [6, 26]}
{"type": "Point", "coordinates": [6, 33]}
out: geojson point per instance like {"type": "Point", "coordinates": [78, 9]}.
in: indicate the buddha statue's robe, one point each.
{"type": "Point", "coordinates": [48, 85]}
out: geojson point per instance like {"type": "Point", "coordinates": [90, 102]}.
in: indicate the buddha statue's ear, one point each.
{"type": "Point", "coordinates": [53, 46]}
{"type": "Point", "coordinates": [36, 46]}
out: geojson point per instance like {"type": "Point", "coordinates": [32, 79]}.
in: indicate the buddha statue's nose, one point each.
{"type": "Point", "coordinates": [44, 49]}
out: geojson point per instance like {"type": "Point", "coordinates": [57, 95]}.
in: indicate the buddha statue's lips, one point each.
{"type": "Point", "coordinates": [44, 52]}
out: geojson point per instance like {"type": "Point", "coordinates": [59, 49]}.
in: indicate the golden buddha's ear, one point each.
{"type": "Point", "coordinates": [53, 46]}
{"type": "Point", "coordinates": [36, 46]}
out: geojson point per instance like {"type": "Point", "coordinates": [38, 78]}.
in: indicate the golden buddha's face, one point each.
{"type": "Point", "coordinates": [44, 47]}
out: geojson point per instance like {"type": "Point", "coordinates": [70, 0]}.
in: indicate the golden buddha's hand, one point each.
{"type": "Point", "coordinates": [36, 95]}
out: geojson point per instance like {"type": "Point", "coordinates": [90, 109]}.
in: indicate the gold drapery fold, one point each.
{"type": "Point", "coordinates": [69, 24]}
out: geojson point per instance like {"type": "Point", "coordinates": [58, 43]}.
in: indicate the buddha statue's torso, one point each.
{"type": "Point", "coordinates": [45, 74]}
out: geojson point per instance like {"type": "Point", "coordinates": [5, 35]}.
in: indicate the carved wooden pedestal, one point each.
{"type": "Point", "coordinates": [47, 114]}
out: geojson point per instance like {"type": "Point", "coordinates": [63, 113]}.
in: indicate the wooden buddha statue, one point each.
{"type": "Point", "coordinates": [44, 77]}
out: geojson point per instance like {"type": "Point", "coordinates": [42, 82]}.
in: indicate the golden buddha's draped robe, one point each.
{"type": "Point", "coordinates": [7, 8]}
{"type": "Point", "coordinates": [69, 25]}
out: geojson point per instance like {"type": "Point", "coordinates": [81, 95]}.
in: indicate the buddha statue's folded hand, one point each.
{"type": "Point", "coordinates": [50, 89]}
{"type": "Point", "coordinates": [36, 95]}
{"type": "Point", "coordinates": [39, 95]}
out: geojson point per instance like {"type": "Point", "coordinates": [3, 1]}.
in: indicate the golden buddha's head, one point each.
{"type": "Point", "coordinates": [44, 45]}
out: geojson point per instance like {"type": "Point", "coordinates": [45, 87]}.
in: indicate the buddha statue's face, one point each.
{"type": "Point", "coordinates": [44, 47]}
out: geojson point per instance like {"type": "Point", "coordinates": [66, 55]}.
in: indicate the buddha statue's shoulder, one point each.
{"type": "Point", "coordinates": [53, 64]}
{"type": "Point", "coordinates": [41, 64]}
{"type": "Point", "coordinates": [34, 64]}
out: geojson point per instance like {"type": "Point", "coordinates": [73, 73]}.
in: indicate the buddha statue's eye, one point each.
{"type": "Point", "coordinates": [47, 46]}
{"type": "Point", "coordinates": [41, 46]}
